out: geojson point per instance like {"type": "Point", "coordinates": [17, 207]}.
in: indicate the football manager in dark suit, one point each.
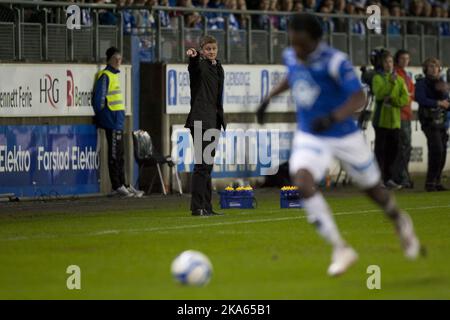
{"type": "Point", "coordinates": [207, 80]}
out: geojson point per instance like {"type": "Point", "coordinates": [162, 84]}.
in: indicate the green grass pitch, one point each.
{"type": "Point", "coordinates": [124, 249]}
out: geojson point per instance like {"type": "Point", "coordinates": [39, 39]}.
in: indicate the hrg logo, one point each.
{"type": "Point", "coordinates": [264, 84]}
{"type": "Point", "coordinates": [172, 88]}
{"type": "Point", "coordinates": [49, 92]}
{"type": "Point", "coordinates": [70, 89]}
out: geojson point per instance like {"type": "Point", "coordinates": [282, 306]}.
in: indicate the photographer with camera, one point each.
{"type": "Point", "coordinates": [367, 74]}
{"type": "Point", "coordinates": [390, 96]}
{"type": "Point", "coordinates": [402, 177]}
{"type": "Point", "coordinates": [432, 97]}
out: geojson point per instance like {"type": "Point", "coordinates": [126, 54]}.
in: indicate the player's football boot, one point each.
{"type": "Point", "coordinates": [408, 239]}
{"type": "Point", "coordinates": [341, 260]}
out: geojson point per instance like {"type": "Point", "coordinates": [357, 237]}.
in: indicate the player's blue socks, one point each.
{"type": "Point", "coordinates": [319, 214]}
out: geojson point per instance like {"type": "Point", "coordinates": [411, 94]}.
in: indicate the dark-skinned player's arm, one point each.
{"type": "Point", "coordinates": [279, 89]}
{"type": "Point", "coordinates": [354, 103]}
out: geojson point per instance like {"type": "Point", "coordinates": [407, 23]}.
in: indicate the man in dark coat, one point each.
{"type": "Point", "coordinates": [432, 97]}
{"type": "Point", "coordinates": [206, 116]}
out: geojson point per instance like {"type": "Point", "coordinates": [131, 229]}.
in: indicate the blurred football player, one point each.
{"type": "Point", "coordinates": [327, 92]}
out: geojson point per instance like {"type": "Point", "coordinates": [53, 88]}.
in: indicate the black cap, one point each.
{"type": "Point", "coordinates": [110, 52]}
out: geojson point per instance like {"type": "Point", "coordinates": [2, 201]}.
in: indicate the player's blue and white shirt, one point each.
{"type": "Point", "coordinates": [321, 85]}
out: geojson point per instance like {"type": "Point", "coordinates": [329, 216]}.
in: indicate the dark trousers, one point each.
{"type": "Point", "coordinates": [386, 149]}
{"type": "Point", "coordinates": [201, 188]}
{"type": "Point", "coordinates": [401, 172]}
{"type": "Point", "coordinates": [437, 154]}
{"type": "Point", "coordinates": [116, 162]}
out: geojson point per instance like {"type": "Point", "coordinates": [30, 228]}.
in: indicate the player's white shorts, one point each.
{"type": "Point", "coordinates": [315, 154]}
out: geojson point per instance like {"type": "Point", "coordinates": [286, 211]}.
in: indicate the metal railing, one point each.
{"type": "Point", "coordinates": [52, 41]}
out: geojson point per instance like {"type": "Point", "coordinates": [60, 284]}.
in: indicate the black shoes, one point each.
{"type": "Point", "coordinates": [203, 212]}
{"type": "Point", "coordinates": [200, 212]}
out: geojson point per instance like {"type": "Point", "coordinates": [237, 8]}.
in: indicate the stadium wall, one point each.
{"type": "Point", "coordinates": [45, 109]}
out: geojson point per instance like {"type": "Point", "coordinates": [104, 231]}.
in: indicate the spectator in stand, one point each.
{"type": "Point", "coordinates": [86, 16]}
{"type": "Point", "coordinates": [340, 24]}
{"type": "Point", "coordinates": [106, 17]}
{"type": "Point", "coordinates": [429, 28]}
{"type": "Point", "coordinates": [444, 28]}
{"type": "Point", "coordinates": [310, 6]}
{"type": "Point", "coordinates": [275, 20]}
{"type": "Point", "coordinates": [191, 19]}
{"type": "Point", "coordinates": [385, 12]}
{"type": "Point", "coordinates": [150, 4]}
{"type": "Point", "coordinates": [216, 21]}
{"type": "Point", "coordinates": [253, 4]}
{"type": "Point", "coordinates": [327, 23]}
{"type": "Point", "coordinates": [233, 22]}
{"type": "Point", "coordinates": [142, 18]}
{"type": "Point", "coordinates": [164, 15]}
{"type": "Point", "coordinates": [416, 9]}
{"type": "Point", "coordinates": [286, 6]}
{"type": "Point", "coordinates": [298, 6]}
{"type": "Point", "coordinates": [358, 26]}
{"type": "Point", "coordinates": [440, 11]}
{"type": "Point", "coordinates": [395, 26]}
{"type": "Point", "coordinates": [350, 8]}
{"type": "Point", "coordinates": [129, 23]}
{"type": "Point", "coordinates": [328, 3]}
{"type": "Point", "coordinates": [262, 21]}
{"type": "Point", "coordinates": [243, 18]}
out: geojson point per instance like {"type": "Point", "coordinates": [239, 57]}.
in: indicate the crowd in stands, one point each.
{"type": "Point", "coordinates": [143, 20]}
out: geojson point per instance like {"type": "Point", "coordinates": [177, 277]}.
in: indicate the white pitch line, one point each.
{"type": "Point", "coordinates": [205, 225]}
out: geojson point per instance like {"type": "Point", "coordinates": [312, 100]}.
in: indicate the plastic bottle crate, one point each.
{"type": "Point", "coordinates": [237, 199]}
{"type": "Point", "coordinates": [290, 199]}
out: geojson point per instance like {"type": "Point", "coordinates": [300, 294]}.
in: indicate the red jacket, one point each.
{"type": "Point", "coordinates": [406, 111]}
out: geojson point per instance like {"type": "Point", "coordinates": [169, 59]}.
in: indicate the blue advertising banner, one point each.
{"type": "Point", "coordinates": [243, 151]}
{"type": "Point", "coordinates": [49, 160]}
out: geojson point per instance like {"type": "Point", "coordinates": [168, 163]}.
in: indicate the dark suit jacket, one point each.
{"type": "Point", "coordinates": [207, 82]}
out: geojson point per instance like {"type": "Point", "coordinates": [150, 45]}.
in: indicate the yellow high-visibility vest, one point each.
{"type": "Point", "coordinates": [114, 96]}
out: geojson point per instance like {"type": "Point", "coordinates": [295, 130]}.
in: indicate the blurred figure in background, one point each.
{"type": "Point", "coordinates": [416, 9]}
{"type": "Point", "coordinates": [262, 21]}
{"type": "Point", "coordinates": [340, 23]}
{"type": "Point", "coordinates": [401, 172]}
{"type": "Point", "coordinates": [233, 22]}
{"type": "Point", "coordinates": [310, 6]}
{"type": "Point", "coordinates": [243, 18]}
{"type": "Point", "coordinates": [164, 15]}
{"type": "Point", "coordinates": [298, 6]}
{"type": "Point", "coordinates": [432, 97]}
{"type": "Point", "coordinates": [395, 26]}
{"type": "Point", "coordinates": [129, 23]}
{"type": "Point", "coordinates": [283, 21]}
{"type": "Point", "coordinates": [390, 96]}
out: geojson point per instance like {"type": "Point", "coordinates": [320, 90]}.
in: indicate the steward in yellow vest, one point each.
{"type": "Point", "coordinates": [109, 108]}
{"type": "Point", "coordinates": [108, 101]}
